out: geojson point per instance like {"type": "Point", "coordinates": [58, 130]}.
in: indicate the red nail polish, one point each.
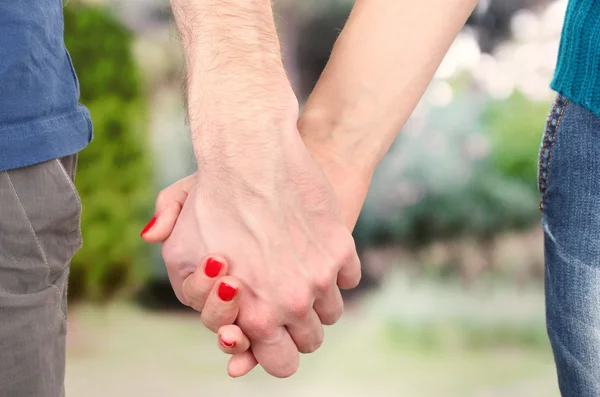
{"type": "Point", "coordinates": [226, 292]}
{"type": "Point", "coordinates": [226, 343]}
{"type": "Point", "coordinates": [212, 268]}
{"type": "Point", "coordinates": [148, 226]}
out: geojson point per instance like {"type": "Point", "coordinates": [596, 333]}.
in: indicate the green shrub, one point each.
{"type": "Point", "coordinates": [113, 176]}
{"type": "Point", "coordinates": [515, 127]}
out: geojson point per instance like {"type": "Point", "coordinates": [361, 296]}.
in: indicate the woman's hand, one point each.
{"type": "Point", "coordinates": [216, 296]}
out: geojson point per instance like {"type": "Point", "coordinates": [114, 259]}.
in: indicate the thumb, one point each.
{"type": "Point", "coordinates": [169, 203]}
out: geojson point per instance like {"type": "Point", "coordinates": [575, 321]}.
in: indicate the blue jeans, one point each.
{"type": "Point", "coordinates": [569, 184]}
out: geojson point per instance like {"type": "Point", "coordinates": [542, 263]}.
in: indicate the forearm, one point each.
{"type": "Point", "coordinates": [380, 67]}
{"type": "Point", "coordinates": [236, 86]}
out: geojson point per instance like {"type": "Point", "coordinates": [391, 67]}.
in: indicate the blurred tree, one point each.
{"type": "Point", "coordinates": [114, 172]}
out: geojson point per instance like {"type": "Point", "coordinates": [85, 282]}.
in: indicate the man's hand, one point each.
{"type": "Point", "coordinates": [279, 226]}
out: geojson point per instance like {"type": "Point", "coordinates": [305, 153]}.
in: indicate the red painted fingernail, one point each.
{"type": "Point", "coordinates": [226, 292]}
{"type": "Point", "coordinates": [212, 268]}
{"type": "Point", "coordinates": [226, 343]}
{"type": "Point", "coordinates": [148, 226]}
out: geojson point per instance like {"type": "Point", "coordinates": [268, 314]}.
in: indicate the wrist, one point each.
{"type": "Point", "coordinates": [348, 170]}
{"type": "Point", "coordinates": [243, 141]}
{"type": "Point", "coordinates": [335, 140]}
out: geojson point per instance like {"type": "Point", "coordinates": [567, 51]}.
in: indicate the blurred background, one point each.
{"type": "Point", "coordinates": [451, 302]}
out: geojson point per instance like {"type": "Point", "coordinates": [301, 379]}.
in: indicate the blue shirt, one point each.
{"type": "Point", "coordinates": [40, 117]}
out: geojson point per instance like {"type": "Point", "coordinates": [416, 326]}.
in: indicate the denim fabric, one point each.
{"type": "Point", "coordinates": [569, 184]}
{"type": "Point", "coordinates": [40, 118]}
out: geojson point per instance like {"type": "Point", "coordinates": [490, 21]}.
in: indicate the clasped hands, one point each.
{"type": "Point", "coordinates": [260, 244]}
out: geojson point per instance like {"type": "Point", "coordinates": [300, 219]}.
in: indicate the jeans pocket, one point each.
{"type": "Point", "coordinates": [69, 165]}
{"type": "Point", "coordinates": [66, 174]}
{"type": "Point", "coordinates": [39, 226]}
{"type": "Point", "coordinates": [547, 146]}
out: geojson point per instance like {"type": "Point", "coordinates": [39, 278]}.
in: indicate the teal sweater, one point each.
{"type": "Point", "coordinates": [577, 73]}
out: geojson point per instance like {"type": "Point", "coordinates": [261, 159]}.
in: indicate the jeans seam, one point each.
{"type": "Point", "coordinates": [549, 143]}
{"type": "Point", "coordinates": [562, 112]}
{"type": "Point", "coordinates": [546, 140]}
{"type": "Point", "coordinates": [77, 198]}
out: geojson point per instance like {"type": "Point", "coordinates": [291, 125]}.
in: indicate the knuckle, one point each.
{"type": "Point", "coordinates": [174, 255]}
{"type": "Point", "coordinates": [162, 198]}
{"type": "Point", "coordinates": [346, 252]}
{"type": "Point", "coordinates": [331, 320]}
{"type": "Point", "coordinates": [357, 279]}
{"type": "Point", "coordinates": [332, 316]}
{"type": "Point", "coordinates": [313, 345]}
{"type": "Point", "coordinates": [300, 303]}
{"type": "Point", "coordinates": [330, 312]}
{"type": "Point", "coordinates": [169, 254]}
{"type": "Point", "coordinates": [259, 326]}
{"type": "Point", "coordinates": [350, 282]}
{"type": "Point", "coordinates": [210, 318]}
{"type": "Point", "coordinates": [324, 280]}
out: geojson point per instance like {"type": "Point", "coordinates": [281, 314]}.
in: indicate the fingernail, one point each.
{"type": "Point", "coordinates": [228, 344]}
{"type": "Point", "coordinates": [226, 292]}
{"type": "Point", "coordinates": [148, 226]}
{"type": "Point", "coordinates": [212, 268]}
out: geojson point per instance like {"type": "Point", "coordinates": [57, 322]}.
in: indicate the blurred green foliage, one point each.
{"type": "Point", "coordinates": [114, 175]}
{"type": "Point", "coordinates": [458, 194]}
{"type": "Point", "coordinates": [515, 128]}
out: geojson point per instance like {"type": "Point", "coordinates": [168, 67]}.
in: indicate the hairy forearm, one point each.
{"type": "Point", "coordinates": [380, 67]}
{"type": "Point", "coordinates": [236, 86]}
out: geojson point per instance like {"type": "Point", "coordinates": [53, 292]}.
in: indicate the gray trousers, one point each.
{"type": "Point", "coordinates": [39, 234]}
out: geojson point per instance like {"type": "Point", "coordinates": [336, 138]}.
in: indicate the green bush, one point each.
{"type": "Point", "coordinates": [114, 175]}
{"type": "Point", "coordinates": [515, 127]}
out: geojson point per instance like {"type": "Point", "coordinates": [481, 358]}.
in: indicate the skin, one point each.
{"type": "Point", "coordinates": [277, 196]}
{"type": "Point", "coordinates": [262, 200]}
